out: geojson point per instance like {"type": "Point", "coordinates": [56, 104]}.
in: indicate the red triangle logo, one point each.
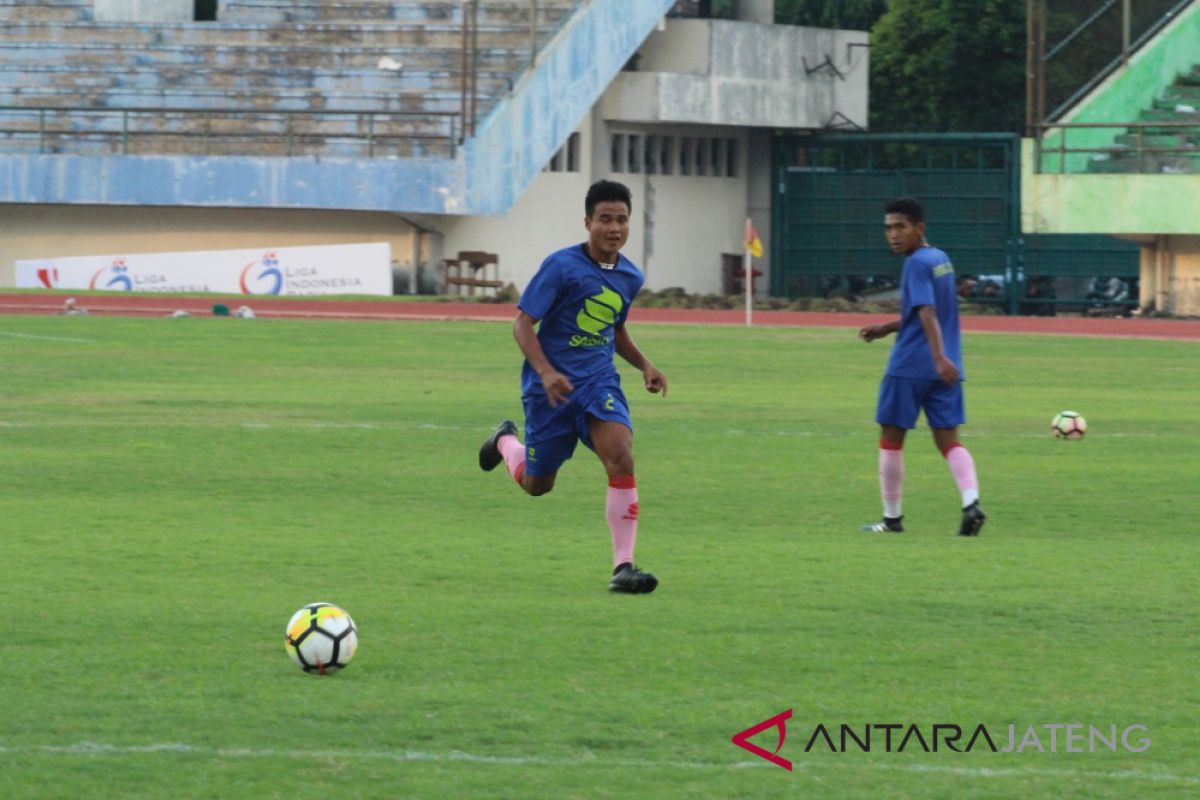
{"type": "Point", "coordinates": [778, 721]}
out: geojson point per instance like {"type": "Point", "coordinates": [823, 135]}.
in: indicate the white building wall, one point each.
{"type": "Point", "coordinates": [680, 227]}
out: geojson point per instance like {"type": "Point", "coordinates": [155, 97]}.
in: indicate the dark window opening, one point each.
{"type": "Point", "coordinates": [205, 11]}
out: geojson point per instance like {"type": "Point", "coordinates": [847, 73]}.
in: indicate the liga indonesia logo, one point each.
{"type": "Point", "coordinates": [262, 276]}
{"type": "Point", "coordinates": [896, 737]}
{"type": "Point", "coordinates": [48, 277]}
{"type": "Point", "coordinates": [115, 276]}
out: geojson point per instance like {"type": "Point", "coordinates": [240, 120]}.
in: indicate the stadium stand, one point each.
{"type": "Point", "coordinates": [1169, 139]}
{"type": "Point", "coordinates": [335, 79]}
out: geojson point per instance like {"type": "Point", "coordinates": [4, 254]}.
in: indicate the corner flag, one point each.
{"type": "Point", "coordinates": [754, 244]}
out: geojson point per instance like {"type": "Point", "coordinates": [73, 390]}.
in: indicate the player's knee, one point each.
{"type": "Point", "coordinates": [539, 486]}
{"type": "Point", "coordinates": [619, 463]}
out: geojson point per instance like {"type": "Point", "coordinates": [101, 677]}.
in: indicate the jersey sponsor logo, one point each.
{"type": "Point", "coordinates": [599, 312]}
{"type": "Point", "coordinates": [943, 269]}
{"type": "Point", "coordinates": [588, 341]}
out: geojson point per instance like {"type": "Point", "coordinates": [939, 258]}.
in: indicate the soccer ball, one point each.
{"type": "Point", "coordinates": [321, 638]}
{"type": "Point", "coordinates": [1069, 425]}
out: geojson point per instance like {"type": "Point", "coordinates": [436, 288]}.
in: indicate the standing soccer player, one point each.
{"type": "Point", "coordinates": [924, 370]}
{"type": "Point", "coordinates": [569, 384]}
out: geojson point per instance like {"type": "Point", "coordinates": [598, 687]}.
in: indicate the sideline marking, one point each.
{"type": "Point", "coordinates": [411, 756]}
{"type": "Point", "coordinates": [46, 338]}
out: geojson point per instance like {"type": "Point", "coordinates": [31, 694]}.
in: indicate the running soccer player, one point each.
{"type": "Point", "coordinates": [569, 384]}
{"type": "Point", "coordinates": [924, 369]}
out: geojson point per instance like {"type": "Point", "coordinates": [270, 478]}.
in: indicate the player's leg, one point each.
{"type": "Point", "coordinates": [550, 441]}
{"type": "Point", "coordinates": [896, 413]}
{"type": "Point", "coordinates": [945, 411]}
{"type": "Point", "coordinates": [609, 433]}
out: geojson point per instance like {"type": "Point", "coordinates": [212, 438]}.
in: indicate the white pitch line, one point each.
{"type": "Point", "coordinates": [46, 338]}
{"type": "Point", "coordinates": [430, 426]}
{"type": "Point", "coordinates": [589, 760]}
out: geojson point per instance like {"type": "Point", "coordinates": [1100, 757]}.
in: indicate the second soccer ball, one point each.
{"type": "Point", "coordinates": [1068, 425]}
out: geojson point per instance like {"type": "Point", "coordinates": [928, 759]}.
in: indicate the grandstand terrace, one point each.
{"type": "Point", "coordinates": [357, 79]}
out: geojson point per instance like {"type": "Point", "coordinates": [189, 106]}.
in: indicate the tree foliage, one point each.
{"type": "Point", "coordinates": [949, 65]}
{"type": "Point", "coordinates": [936, 65]}
{"type": "Point", "coordinates": [856, 15]}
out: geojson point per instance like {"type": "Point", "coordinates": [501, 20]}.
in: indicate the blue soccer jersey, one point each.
{"type": "Point", "coordinates": [927, 280]}
{"type": "Point", "coordinates": [580, 304]}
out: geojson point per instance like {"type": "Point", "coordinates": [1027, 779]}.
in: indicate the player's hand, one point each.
{"type": "Point", "coordinates": [655, 381]}
{"type": "Point", "coordinates": [557, 387]}
{"type": "Point", "coordinates": [869, 333]}
{"type": "Point", "coordinates": [947, 371]}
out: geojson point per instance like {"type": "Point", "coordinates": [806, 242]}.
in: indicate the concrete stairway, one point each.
{"type": "Point", "coordinates": [338, 78]}
{"type": "Point", "coordinates": [1173, 148]}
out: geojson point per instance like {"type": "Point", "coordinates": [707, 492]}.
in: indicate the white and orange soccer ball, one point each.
{"type": "Point", "coordinates": [1068, 425]}
{"type": "Point", "coordinates": [321, 638]}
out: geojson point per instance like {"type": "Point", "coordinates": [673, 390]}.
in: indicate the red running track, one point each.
{"type": "Point", "coordinates": [148, 304]}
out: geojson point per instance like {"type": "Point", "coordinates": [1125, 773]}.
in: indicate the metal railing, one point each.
{"type": "Point", "coordinates": [469, 101]}
{"type": "Point", "coordinates": [1059, 70]}
{"type": "Point", "coordinates": [127, 131]}
{"type": "Point", "coordinates": [1142, 154]}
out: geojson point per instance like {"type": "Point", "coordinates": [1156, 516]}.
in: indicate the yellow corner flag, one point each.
{"type": "Point", "coordinates": [754, 244]}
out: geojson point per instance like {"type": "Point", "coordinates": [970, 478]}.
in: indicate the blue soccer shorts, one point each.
{"type": "Point", "coordinates": [902, 399]}
{"type": "Point", "coordinates": [552, 433]}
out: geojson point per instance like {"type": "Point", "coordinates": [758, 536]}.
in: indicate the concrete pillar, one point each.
{"type": "Point", "coordinates": [759, 200]}
{"type": "Point", "coordinates": [762, 11]}
{"type": "Point", "coordinates": [144, 10]}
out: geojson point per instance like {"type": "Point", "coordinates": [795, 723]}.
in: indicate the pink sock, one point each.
{"type": "Point", "coordinates": [962, 467]}
{"type": "Point", "coordinates": [891, 477]}
{"type": "Point", "coordinates": [622, 512]}
{"type": "Point", "coordinates": [514, 456]}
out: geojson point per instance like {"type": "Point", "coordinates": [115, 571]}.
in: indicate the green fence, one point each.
{"type": "Point", "coordinates": [827, 233]}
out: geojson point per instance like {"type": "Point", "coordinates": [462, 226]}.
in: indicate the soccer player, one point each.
{"type": "Point", "coordinates": [924, 369]}
{"type": "Point", "coordinates": [579, 301]}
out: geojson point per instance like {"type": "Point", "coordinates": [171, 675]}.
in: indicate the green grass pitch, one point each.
{"type": "Point", "coordinates": [172, 490]}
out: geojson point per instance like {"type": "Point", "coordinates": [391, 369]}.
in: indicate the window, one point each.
{"type": "Point", "coordinates": [664, 154]}
{"type": "Point", "coordinates": [702, 156]}
{"type": "Point", "coordinates": [685, 155]}
{"type": "Point", "coordinates": [634, 161]}
{"type": "Point", "coordinates": [573, 153]}
{"type": "Point", "coordinates": [651, 155]}
{"type": "Point", "coordinates": [731, 157]}
{"type": "Point", "coordinates": [567, 157]}
{"type": "Point", "coordinates": [618, 153]}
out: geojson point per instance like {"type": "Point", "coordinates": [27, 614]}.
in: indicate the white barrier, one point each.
{"type": "Point", "coordinates": [333, 269]}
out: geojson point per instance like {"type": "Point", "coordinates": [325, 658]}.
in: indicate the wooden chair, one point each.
{"type": "Point", "coordinates": [470, 271]}
{"type": "Point", "coordinates": [733, 274]}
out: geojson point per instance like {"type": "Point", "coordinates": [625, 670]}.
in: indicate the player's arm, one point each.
{"type": "Point", "coordinates": [626, 349]}
{"type": "Point", "coordinates": [946, 369]}
{"type": "Point", "coordinates": [869, 333]}
{"type": "Point", "coordinates": [557, 385]}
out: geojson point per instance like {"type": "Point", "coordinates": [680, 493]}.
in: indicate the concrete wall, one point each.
{"type": "Point", "coordinates": [1113, 203]}
{"type": "Point", "coordinates": [39, 231]}
{"type": "Point", "coordinates": [681, 224]}
{"type": "Point", "coordinates": [720, 72]}
{"type": "Point", "coordinates": [144, 10]}
{"type": "Point", "coordinates": [1170, 275]}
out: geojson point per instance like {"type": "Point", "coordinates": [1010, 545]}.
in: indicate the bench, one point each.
{"type": "Point", "coordinates": [470, 271]}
